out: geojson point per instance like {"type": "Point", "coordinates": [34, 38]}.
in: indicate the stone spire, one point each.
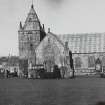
{"type": "Point", "coordinates": [20, 27]}
{"type": "Point", "coordinates": [32, 6]}
{"type": "Point", "coordinates": [32, 10]}
{"type": "Point", "coordinates": [31, 20]}
{"type": "Point", "coordinates": [43, 27]}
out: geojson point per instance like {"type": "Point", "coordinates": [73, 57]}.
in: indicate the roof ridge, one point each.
{"type": "Point", "coordinates": [57, 38]}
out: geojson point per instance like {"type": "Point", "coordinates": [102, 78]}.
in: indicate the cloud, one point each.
{"type": "Point", "coordinates": [55, 3]}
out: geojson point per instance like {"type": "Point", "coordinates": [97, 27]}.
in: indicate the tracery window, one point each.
{"type": "Point", "coordinates": [91, 61]}
{"type": "Point", "coordinates": [78, 62]}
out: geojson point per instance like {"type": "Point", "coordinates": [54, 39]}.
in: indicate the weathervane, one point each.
{"type": "Point", "coordinates": [32, 2]}
{"type": "Point", "coordinates": [32, 5]}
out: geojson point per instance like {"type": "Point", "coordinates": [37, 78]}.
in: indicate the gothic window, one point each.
{"type": "Point", "coordinates": [103, 60]}
{"type": "Point", "coordinates": [91, 61]}
{"type": "Point", "coordinates": [30, 20]}
{"type": "Point", "coordinates": [36, 25]}
{"type": "Point", "coordinates": [78, 62]}
{"type": "Point", "coordinates": [98, 64]}
{"type": "Point", "coordinates": [21, 37]}
{"type": "Point", "coordinates": [98, 61]}
{"type": "Point", "coordinates": [29, 38]}
{"type": "Point", "coordinates": [37, 38]}
{"type": "Point", "coordinates": [103, 63]}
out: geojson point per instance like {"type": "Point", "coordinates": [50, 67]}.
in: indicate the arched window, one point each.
{"type": "Point", "coordinates": [98, 61]}
{"type": "Point", "coordinates": [30, 19]}
{"type": "Point", "coordinates": [78, 62]}
{"type": "Point", "coordinates": [91, 61]}
{"type": "Point", "coordinates": [98, 64]}
{"type": "Point", "coordinates": [103, 61]}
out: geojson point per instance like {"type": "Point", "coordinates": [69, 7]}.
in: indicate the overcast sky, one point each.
{"type": "Point", "coordinates": [62, 16]}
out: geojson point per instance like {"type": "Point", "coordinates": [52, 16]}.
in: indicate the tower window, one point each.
{"type": "Point", "coordinates": [30, 19]}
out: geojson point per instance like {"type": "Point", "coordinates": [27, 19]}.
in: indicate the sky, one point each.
{"type": "Point", "coordinates": [61, 16]}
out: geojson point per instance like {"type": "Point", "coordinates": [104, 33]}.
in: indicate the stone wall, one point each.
{"type": "Point", "coordinates": [86, 63]}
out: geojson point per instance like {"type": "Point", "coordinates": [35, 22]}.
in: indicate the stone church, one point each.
{"type": "Point", "coordinates": [36, 47]}
{"type": "Point", "coordinates": [30, 34]}
{"type": "Point", "coordinates": [50, 51]}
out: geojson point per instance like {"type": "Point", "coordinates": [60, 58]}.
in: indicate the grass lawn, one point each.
{"type": "Point", "coordinates": [79, 91]}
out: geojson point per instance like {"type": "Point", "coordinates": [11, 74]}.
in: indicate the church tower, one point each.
{"type": "Point", "coordinates": [30, 35]}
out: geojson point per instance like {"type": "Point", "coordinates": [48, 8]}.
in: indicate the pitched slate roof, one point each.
{"type": "Point", "coordinates": [31, 20]}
